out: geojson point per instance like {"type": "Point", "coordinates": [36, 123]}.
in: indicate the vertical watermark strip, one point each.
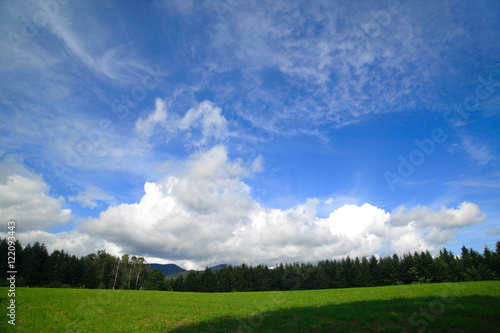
{"type": "Point", "coordinates": [11, 271]}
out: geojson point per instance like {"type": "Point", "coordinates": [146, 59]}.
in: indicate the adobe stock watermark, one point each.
{"type": "Point", "coordinates": [486, 89]}
{"type": "Point", "coordinates": [30, 27]}
{"type": "Point", "coordinates": [406, 167]}
{"type": "Point", "coordinates": [11, 272]}
{"type": "Point", "coordinates": [455, 116]}
{"type": "Point", "coordinates": [251, 323]}
{"type": "Point", "coordinates": [94, 139]}
{"type": "Point", "coordinates": [436, 307]}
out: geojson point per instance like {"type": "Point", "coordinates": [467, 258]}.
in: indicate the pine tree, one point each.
{"type": "Point", "coordinates": [374, 268]}
{"type": "Point", "coordinates": [427, 267]}
{"type": "Point", "coordinates": [207, 280]}
{"type": "Point", "coordinates": [362, 275]}
{"type": "Point", "coordinates": [35, 258]}
{"type": "Point", "coordinates": [322, 281]}
{"type": "Point", "coordinates": [4, 249]}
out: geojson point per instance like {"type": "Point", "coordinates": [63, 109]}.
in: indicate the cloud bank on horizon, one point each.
{"type": "Point", "coordinates": [207, 214]}
{"type": "Point", "coordinates": [202, 132]}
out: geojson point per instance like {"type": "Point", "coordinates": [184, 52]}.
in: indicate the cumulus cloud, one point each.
{"type": "Point", "coordinates": [199, 124]}
{"type": "Point", "coordinates": [351, 221]}
{"type": "Point", "coordinates": [25, 198]}
{"type": "Point", "coordinates": [208, 197]}
{"type": "Point", "coordinates": [466, 213]}
{"type": "Point", "coordinates": [205, 214]}
{"type": "Point", "coordinates": [438, 227]}
{"type": "Point", "coordinates": [73, 242]}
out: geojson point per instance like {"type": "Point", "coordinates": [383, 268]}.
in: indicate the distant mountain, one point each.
{"type": "Point", "coordinates": [167, 269]}
{"type": "Point", "coordinates": [216, 268]}
{"type": "Point", "coordinates": [174, 271]}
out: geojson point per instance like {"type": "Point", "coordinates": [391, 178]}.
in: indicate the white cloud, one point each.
{"type": "Point", "coordinates": [489, 181]}
{"type": "Point", "coordinates": [145, 126]}
{"type": "Point", "coordinates": [205, 214]}
{"type": "Point", "coordinates": [91, 47]}
{"type": "Point", "coordinates": [199, 123]}
{"type": "Point", "coordinates": [493, 231]}
{"type": "Point", "coordinates": [283, 66]}
{"type": "Point", "coordinates": [329, 200]}
{"type": "Point", "coordinates": [25, 198]}
{"type": "Point", "coordinates": [352, 221]}
{"type": "Point", "coordinates": [258, 164]}
{"type": "Point", "coordinates": [207, 116]}
{"type": "Point", "coordinates": [72, 242]}
{"type": "Point", "coordinates": [90, 196]}
{"type": "Point", "coordinates": [478, 152]}
{"type": "Point", "coordinates": [344, 71]}
{"type": "Point", "coordinates": [467, 213]}
{"type": "Point", "coordinates": [439, 227]}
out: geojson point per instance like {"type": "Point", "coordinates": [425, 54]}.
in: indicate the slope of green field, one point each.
{"type": "Point", "coordinates": [446, 307]}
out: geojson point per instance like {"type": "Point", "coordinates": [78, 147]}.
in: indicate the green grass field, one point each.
{"type": "Point", "coordinates": [447, 307]}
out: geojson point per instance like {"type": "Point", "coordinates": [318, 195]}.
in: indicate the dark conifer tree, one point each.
{"type": "Point", "coordinates": [375, 274]}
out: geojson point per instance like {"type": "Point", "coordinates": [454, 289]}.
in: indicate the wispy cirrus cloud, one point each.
{"type": "Point", "coordinates": [119, 63]}
{"type": "Point", "coordinates": [326, 64]}
{"type": "Point", "coordinates": [480, 153]}
{"type": "Point", "coordinates": [488, 181]}
{"type": "Point", "coordinates": [92, 197]}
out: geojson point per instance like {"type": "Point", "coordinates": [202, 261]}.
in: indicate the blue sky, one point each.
{"type": "Point", "coordinates": [208, 132]}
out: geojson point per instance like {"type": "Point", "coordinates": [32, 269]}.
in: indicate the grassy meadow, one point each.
{"type": "Point", "coordinates": [444, 307]}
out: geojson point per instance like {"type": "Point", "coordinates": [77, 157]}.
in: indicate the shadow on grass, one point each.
{"type": "Point", "coordinates": [429, 314]}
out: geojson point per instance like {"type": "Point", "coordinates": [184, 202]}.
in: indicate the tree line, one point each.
{"type": "Point", "coordinates": [36, 268]}
{"type": "Point", "coordinates": [348, 273]}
